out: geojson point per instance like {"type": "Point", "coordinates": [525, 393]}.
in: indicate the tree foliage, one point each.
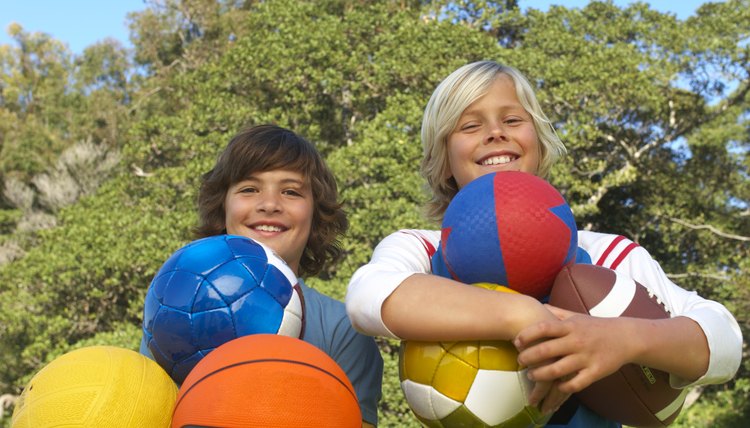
{"type": "Point", "coordinates": [653, 110]}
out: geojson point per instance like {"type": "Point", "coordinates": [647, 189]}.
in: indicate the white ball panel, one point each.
{"type": "Point", "coordinates": [427, 402]}
{"type": "Point", "coordinates": [618, 299]}
{"type": "Point", "coordinates": [673, 406]}
{"type": "Point", "coordinates": [277, 261]}
{"type": "Point", "coordinates": [291, 322]}
{"type": "Point", "coordinates": [497, 395]}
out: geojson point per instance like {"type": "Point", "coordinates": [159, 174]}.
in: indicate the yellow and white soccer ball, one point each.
{"type": "Point", "coordinates": [467, 384]}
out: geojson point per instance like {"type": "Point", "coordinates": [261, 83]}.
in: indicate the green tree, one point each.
{"type": "Point", "coordinates": [654, 111]}
{"type": "Point", "coordinates": [59, 112]}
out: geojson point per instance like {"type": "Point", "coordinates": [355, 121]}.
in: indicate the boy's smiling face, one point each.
{"type": "Point", "coordinates": [495, 133]}
{"type": "Point", "coordinates": [274, 208]}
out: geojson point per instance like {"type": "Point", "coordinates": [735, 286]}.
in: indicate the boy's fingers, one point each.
{"type": "Point", "coordinates": [540, 331]}
{"type": "Point", "coordinates": [561, 314]}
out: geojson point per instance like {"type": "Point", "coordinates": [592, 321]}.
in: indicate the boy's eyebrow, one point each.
{"type": "Point", "coordinates": [517, 107]}
{"type": "Point", "coordinates": [299, 181]}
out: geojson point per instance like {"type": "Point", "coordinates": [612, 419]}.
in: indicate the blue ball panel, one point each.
{"type": "Point", "coordinates": [277, 285]}
{"type": "Point", "coordinates": [213, 328]}
{"type": "Point", "coordinates": [179, 292]}
{"type": "Point", "coordinates": [563, 213]}
{"type": "Point", "coordinates": [159, 284]}
{"type": "Point", "coordinates": [170, 263]}
{"type": "Point", "coordinates": [257, 312]}
{"type": "Point", "coordinates": [477, 233]}
{"type": "Point", "coordinates": [150, 308]}
{"type": "Point", "coordinates": [172, 331]}
{"type": "Point", "coordinates": [232, 280]}
{"type": "Point", "coordinates": [204, 255]}
{"type": "Point", "coordinates": [437, 262]}
{"type": "Point", "coordinates": [255, 266]}
{"type": "Point", "coordinates": [159, 356]}
{"type": "Point", "coordinates": [181, 369]}
{"type": "Point", "coordinates": [245, 247]}
{"type": "Point", "coordinates": [207, 298]}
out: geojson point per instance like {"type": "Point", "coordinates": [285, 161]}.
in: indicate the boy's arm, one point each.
{"type": "Point", "coordinates": [396, 296]}
{"type": "Point", "coordinates": [700, 344]}
{"type": "Point", "coordinates": [586, 348]}
{"type": "Point", "coordinates": [432, 308]}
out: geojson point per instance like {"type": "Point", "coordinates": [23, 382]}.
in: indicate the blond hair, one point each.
{"type": "Point", "coordinates": [451, 97]}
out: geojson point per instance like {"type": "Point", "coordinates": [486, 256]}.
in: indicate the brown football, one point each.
{"type": "Point", "coordinates": [634, 395]}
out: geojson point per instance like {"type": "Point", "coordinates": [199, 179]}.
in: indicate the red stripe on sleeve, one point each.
{"type": "Point", "coordinates": [622, 255]}
{"type": "Point", "coordinates": [425, 243]}
{"type": "Point", "coordinates": [609, 249]}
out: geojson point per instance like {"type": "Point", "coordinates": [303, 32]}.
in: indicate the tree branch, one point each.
{"type": "Point", "coordinates": [143, 98]}
{"type": "Point", "coordinates": [693, 395]}
{"type": "Point", "coordinates": [6, 400]}
{"type": "Point", "coordinates": [710, 229]}
{"type": "Point", "coordinates": [699, 275]}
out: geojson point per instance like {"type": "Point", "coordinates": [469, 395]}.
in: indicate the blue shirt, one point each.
{"type": "Point", "coordinates": [328, 328]}
{"type": "Point", "coordinates": [582, 418]}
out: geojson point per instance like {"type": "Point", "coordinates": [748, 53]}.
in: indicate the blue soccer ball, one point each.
{"type": "Point", "coordinates": [214, 290]}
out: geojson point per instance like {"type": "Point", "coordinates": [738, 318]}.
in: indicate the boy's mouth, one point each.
{"type": "Point", "coordinates": [267, 228]}
{"type": "Point", "coordinates": [497, 160]}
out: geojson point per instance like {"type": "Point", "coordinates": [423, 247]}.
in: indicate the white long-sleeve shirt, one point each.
{"type": "Point", "coordinates": [408, 252]}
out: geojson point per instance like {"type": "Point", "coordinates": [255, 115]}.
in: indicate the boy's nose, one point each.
{"type": "Point", "coordinates": [269, 203]}
{"type": "Point", "coordinates": [496, 133]}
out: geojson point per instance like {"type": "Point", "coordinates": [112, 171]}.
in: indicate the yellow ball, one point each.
{"type": "Point", "coordinates": [97, 386]}
{"type": "Point", "coordinates": [467, 383]}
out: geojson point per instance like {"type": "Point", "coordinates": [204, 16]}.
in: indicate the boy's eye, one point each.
{"type": "Point", "coordinates": [248, 190]}
{"type": "Point", "coordinates": [291, 192]}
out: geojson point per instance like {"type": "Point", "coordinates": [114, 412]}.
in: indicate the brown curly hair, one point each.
{"type": "Point", "coordinates": [265, 148]}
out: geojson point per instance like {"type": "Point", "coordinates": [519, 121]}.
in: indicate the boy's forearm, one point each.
{"type": "Point", "coordinates": [676, 345]}
{"type": "Point", "coordinates": [432, 308]}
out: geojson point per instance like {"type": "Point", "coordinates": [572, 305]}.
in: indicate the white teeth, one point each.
{"type": "Point", "coordinates": [268, 228]}
{"type": "Point", "coordinates": [497, 160]}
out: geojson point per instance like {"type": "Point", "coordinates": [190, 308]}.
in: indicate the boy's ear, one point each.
{"type": "Point", "coordinates": [447, 173]}
{"type": "Point", "coordinates": [452, 181]}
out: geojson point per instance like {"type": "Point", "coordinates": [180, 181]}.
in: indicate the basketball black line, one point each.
{"type": "Point", "coordinates": [267, 360]}
{"type": "Point", "coordinates": [201, 426]}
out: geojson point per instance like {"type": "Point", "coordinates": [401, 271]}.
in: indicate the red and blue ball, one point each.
{"type": "Point", "coordinates": [509, 228]}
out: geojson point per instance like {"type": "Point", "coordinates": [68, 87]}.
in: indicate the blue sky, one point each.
{"type": "Point", "coordinates": [80, 23]}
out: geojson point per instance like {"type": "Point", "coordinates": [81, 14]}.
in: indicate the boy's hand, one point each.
{"type": "Point", "coordinates": [575, 352]}
{"type": "Point", "coordinates": [545, 394]}
{"type": "Point", "coordinates": [547, 397]}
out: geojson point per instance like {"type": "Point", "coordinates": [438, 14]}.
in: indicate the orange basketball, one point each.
{"type": "Point", "coordinates": [267, 380]}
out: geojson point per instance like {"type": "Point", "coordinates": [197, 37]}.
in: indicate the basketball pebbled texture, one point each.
{"type": "Point", "coordinates": [267, 380]}
{"type": "Point", "coordinates": [634, 395]}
